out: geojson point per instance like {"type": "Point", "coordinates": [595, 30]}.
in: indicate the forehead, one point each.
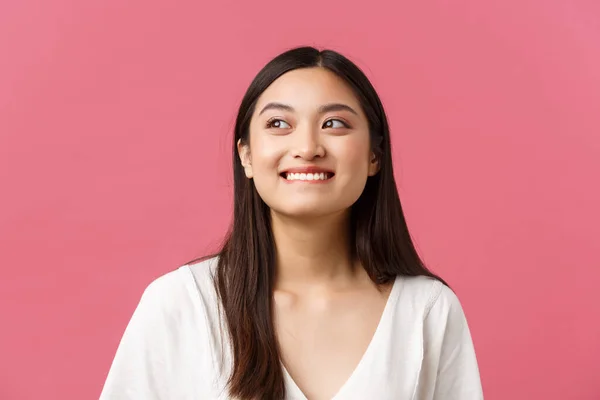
{"type": "Point", "coordinates": [309, 88]}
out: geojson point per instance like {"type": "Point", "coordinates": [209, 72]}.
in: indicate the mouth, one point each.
{"type": "Point", "coordinates": [316, 177]}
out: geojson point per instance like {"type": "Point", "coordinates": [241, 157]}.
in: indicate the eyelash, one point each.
{"type": "Point", "coordinates": [272, 120]}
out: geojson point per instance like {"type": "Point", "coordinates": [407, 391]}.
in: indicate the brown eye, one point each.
{"type": "Point", "coordinates": [335, 124]}
{"type": "Point", "coordinates": [278, 123]}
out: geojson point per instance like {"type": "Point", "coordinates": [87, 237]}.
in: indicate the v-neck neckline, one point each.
{"type": "Point", "coordinates": [294, 392]}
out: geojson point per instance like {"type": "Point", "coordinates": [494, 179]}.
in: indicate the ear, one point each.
{"type": "Point", "coordinates": [373, 165]}
{"type": "Point", "coordinates": [244, 153]}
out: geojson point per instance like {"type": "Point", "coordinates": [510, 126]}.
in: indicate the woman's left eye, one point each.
{"type": "Point", "coordinates": [334, 123]}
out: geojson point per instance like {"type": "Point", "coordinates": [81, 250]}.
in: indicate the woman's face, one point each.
{"type": "Point", "coordinates": [309, 149]}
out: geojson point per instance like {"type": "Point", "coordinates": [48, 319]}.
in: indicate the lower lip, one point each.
{"type": "Point", "coordinates": [313, 182]}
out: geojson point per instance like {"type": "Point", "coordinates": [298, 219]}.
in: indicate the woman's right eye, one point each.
{"type": "Point", "coordinates": [278, 123]}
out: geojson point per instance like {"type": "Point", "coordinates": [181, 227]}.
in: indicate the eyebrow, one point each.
{"type": "Point", "coordinates": [322, 110]}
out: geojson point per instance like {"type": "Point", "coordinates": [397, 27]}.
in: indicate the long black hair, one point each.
{"type": "Point", "coordinates": [245, 272]}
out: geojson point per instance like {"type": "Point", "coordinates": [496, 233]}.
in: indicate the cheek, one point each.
{"type": "Point", "coordinates": [266, 151]}
{"type": "Point", "coordinates": [353, 154]}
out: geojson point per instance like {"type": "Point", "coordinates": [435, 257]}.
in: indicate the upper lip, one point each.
{"type": "Point", "coordinates": [308, 169]}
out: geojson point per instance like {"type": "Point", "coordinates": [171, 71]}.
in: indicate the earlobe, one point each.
{"type": "Point", "coordinates": [245, 159]}
{"type": "Point", "coordinates": [373, 165]}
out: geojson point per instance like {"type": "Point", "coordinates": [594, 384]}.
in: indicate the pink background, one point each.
{"type": "Point", "coordinates": [115, 129]}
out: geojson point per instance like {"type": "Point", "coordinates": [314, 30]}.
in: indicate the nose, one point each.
{"type": "Point", "coordinates": [307, 144]}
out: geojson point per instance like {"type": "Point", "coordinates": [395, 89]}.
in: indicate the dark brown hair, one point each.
{"type": "Point", "coordinates": [246, 268]}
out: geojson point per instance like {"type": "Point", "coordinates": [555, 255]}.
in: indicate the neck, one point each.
{"type": "Point", "coordinates": [313, 251]}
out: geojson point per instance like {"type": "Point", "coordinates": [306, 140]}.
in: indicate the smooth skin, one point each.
{"type": "Point", "coordinates": [326, 307]}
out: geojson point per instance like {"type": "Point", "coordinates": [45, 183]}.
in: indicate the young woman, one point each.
{"type": "Point", "coordinates": [318, 291]}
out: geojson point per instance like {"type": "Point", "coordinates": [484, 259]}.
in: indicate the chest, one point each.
{"type": "Point", "coordinates": [323, 343]}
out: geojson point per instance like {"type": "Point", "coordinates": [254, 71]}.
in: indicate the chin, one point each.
{"type": "Point", "coordinates": [300, 213]}
{"type": "Point", "coordinates": [306, 211]}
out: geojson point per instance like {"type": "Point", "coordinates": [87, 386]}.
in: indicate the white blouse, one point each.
{"type": "Point", "coordinates": [175, 346]}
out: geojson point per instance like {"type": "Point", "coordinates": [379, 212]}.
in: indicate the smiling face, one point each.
{"type": "Point", "coordinates": [309, 150]}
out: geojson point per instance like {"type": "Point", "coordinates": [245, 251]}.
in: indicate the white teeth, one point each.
{"type": "Point", "coordinates": [306, 177]}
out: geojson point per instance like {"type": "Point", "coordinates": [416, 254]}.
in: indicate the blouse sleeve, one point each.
{"type": "Point", "coordinates": [457, 376]}
{"type": "Point", "coordinates": [141, 364]}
